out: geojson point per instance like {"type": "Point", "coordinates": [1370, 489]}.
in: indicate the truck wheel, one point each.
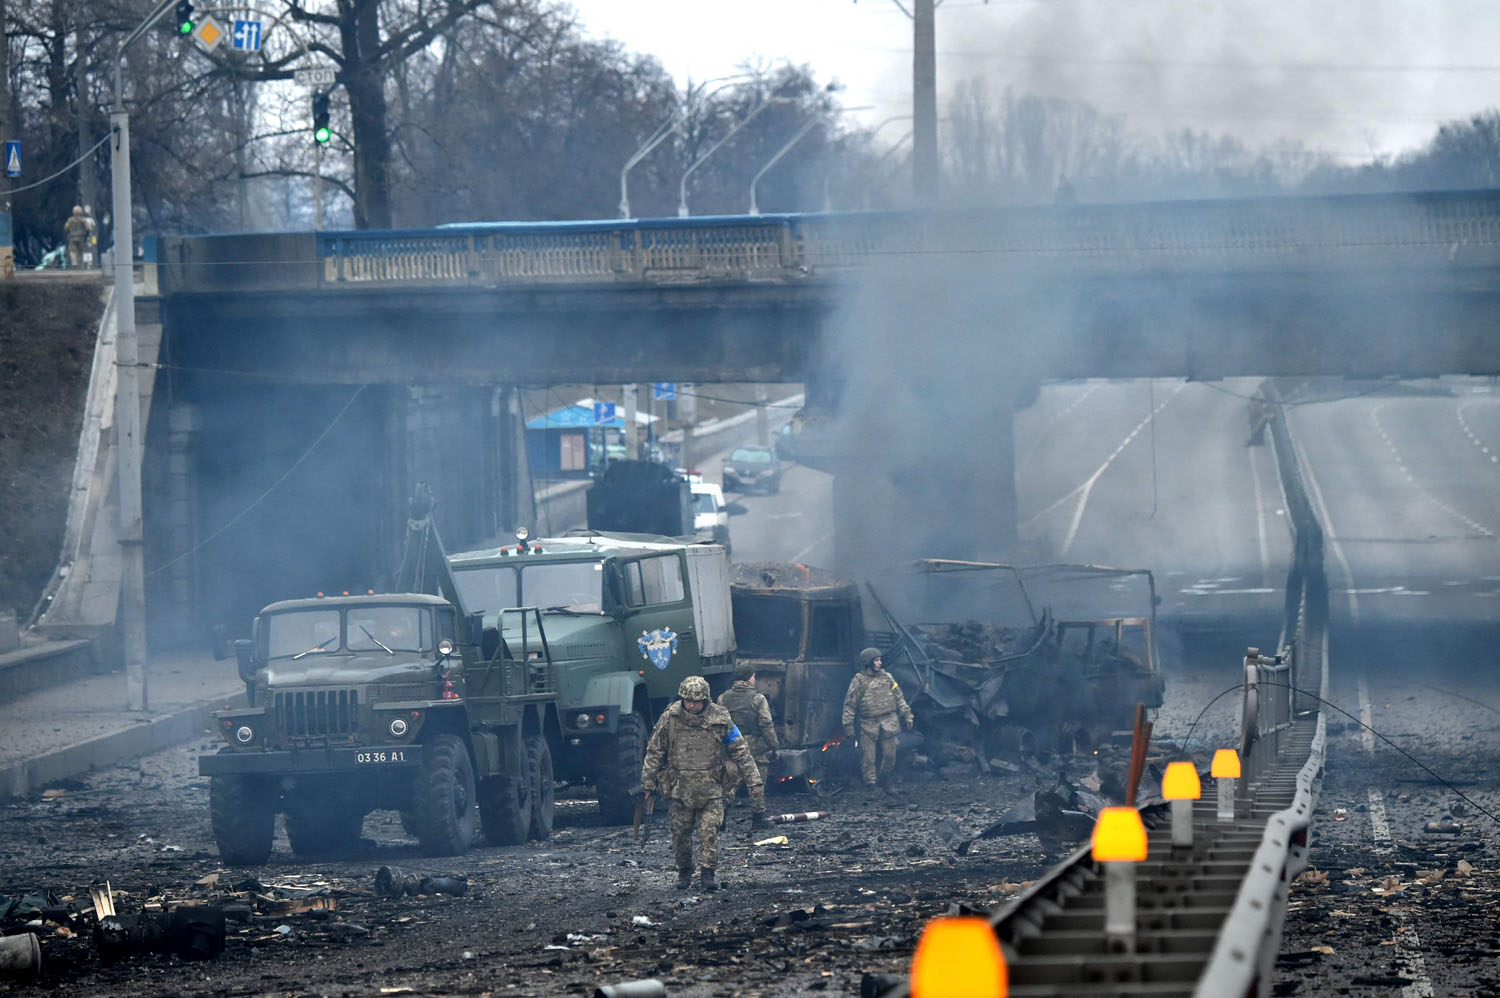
{"type": "Point", "coordinates": [620, 770]}
{"type": "Point", "coordinates": [242, 810]}
{"type": "Point", "coordinates": [316, 828]}
{"type": "Point", "coordinates": [539, 764]}
{"type": "Point", "coordinates": [443, 798]}
{"type": "Point", "coordinates": [506, 803]}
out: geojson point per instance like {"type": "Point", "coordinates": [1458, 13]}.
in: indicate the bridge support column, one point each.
{"type": "Point", "coordinates": [923, 482]}
{"type": "Point", "coordinates": [517, 507]}
{"type": "Point", "coordinates": [176, 625]}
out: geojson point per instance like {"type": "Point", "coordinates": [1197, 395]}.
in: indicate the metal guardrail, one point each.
{"type": "Point", "coordinates": [1446, 227]}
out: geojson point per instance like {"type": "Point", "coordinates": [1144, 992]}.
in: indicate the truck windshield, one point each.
{"type": "Point", "coordinates": [303, 632]}
{"type": "Point", "coordinates": [389, 629]}
{"type": "Point", "coordinates": [573, 585]}
{"type": "Point", "coordinates": [767, 626]}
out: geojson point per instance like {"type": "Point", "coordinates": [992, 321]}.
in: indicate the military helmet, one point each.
{"type": "Point", "coordinates": [867, 656]}
{"type": "Point", "coordinates": [694, 688]}
{"type": "Point", "coordinates": [744, 670]}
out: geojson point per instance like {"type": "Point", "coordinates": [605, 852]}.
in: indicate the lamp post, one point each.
{"type": "Point", "coordinates": [669, 126]}
{"type": "Point", "coordinates": [682, 205]}
{"type": "Point", "coordinates": [128, 391]}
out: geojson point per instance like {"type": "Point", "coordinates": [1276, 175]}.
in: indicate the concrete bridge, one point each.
{"type": "Point", "coordinates": [306, 380]}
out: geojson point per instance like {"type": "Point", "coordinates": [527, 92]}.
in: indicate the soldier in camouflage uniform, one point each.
{"type": "Point", "coordinates": [685, 760]}
{"type": "Point", "coordinates": [875, 696]}
{"type": "Point", "coordinates": [751, 712]}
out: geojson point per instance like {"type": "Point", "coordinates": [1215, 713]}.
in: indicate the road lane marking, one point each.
{"type": "Point", "coordinates": [802, 555]}
{"type": "Point", "coordinates": [1041, 431]}
{"type": "Point", "coordinates": [1082, 491]}
{"type": "Point", "coordinates": [1330, 538]}
{"type": "Point", "coordinates": [1415, 965]}
{"type": "Point", "coordinates": [1380, 826]}
{"type": "Point", "coordinates": [1367, 733]}
{"type": "Point", "coordinates": [1463, 518]}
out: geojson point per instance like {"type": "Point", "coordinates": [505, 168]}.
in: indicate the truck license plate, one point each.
{"type": "Point", "coordinates": [394, 755]}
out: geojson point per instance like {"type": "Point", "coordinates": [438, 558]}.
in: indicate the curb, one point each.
{"type": "Point", "coordinates": [29, 775]}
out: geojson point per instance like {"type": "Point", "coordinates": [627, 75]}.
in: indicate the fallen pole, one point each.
{"type": "Point", "coordinates": [799, 816]}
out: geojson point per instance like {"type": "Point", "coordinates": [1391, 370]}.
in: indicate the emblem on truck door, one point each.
{"type": "Point", "coordinates": [658, 645]}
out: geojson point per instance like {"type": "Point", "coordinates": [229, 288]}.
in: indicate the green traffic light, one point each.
{"type": "Point", "coordinates": [185, 28]}
{"type": "Point", "coordinates": [322, 135]}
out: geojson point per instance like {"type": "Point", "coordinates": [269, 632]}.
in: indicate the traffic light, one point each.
{"type": "Point", "coordinates": [321, 131]}
{"type": "Point", "coordinates": [185, 22]}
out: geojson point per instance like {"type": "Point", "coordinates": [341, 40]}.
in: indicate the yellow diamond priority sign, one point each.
{"type": "Point", "coordinates": [208, 34]}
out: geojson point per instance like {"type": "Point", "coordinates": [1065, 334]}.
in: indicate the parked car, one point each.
{"type": "Point", "coordinates": [752, 467]}
{"type": "Point", "coordinates": [710, 515]}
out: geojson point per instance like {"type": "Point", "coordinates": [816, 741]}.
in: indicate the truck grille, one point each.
{"type": "Point", "coordinates": [314, 713]}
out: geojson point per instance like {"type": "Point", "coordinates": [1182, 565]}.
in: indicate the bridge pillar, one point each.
{"type": "Point", "coordinates": [517, 506]}
{"type": "Point", "coordinates": [176, 623]}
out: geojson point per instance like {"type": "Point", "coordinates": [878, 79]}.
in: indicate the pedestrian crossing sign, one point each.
{"type": "Point", "coordinates": [13, 157]}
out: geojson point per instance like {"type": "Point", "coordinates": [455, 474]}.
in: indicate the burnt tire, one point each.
{"type": "Point", "coordinates": [543, 792]}
{"type": "Point", "coordinates": [242, 810]}
{"type": "Point", "coordinates": [442, 803]}
{"type": "Point", "coordinates": [620, 770]}
{"type": "Point", "coordinates": [318, 827]}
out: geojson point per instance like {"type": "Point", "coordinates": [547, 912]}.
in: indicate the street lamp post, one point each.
{"type": "Point", "coordinates": [807, 127]}
{"type": "Point", "coordinates": [668, 127]}
{"type": "Point", "coordinates": [128, 391]}
{"type": "Point", "coordinates": [682, 205]}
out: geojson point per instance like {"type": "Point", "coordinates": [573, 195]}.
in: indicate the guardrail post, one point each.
{"type": "Point", "coordinates": [1181, 786]}
{"type": "Point", "coordinates": [1119, 843]}
{"type": "Point", "coordinates": [1226, 770]}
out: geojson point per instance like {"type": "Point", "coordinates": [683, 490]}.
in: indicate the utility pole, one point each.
{"type": "Point", "coordinates": [924, 159]}
{"type": "Point", "coordinates": [7, 252]}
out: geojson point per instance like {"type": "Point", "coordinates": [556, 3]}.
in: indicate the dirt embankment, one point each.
{"type": "Point", "coordinates": [46, 348]}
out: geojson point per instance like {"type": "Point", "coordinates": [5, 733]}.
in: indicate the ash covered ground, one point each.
{"type": "Point", "coordinates": [845, 896]}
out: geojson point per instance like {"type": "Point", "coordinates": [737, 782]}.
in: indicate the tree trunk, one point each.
{"type": "Point", "coordinates": [364, 82]}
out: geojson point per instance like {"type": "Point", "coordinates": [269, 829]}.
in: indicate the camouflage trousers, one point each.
{"type": "Point", "coordinates": [884, 731]}
{"type": "Point", "coordinates": [733, 778]}
{"type": "Point", "coordinates": [684, 819]}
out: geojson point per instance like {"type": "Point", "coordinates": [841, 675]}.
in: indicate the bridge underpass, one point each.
{"type": "Point", "coordinates": [920, 335]}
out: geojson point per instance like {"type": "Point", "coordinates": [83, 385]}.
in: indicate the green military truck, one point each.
{"type": "Point", "coordinates": [628, 616]}
{"type": "Point", "coordinates": [406, 701]}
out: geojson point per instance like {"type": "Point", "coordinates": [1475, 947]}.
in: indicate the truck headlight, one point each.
{"type": "Point", "coordinates": [244, 734]}
{"type": "Point", "coordinates": [582, 720]}
{"type": "Point", "coordinates": [398, 727]}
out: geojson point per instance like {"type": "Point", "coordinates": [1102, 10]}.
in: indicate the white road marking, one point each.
{"type": "Point", "coordinates": [1082, 491]}
{"type": "Point", "coordinates": [1390, 444]}
{"type": "Point", "coordinates": [1380, 827]}
{"type": "Point", "coordinates": [802, 555]}
{"type": "Point", "coordinates": [1330, 537]}
{"type": "Point", "coordinates": [1041, 431]}
{"type": "Point", "coordinates": [1410, 945]}
{"type": "Point", "coordinates": [1366, 734]}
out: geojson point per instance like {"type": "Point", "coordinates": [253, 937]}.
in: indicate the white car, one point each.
{"type": "Point", "coordinates": [710, 518]}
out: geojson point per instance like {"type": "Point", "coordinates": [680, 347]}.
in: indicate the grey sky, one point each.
{"type": "Point", "coordinates": [1348, 77]}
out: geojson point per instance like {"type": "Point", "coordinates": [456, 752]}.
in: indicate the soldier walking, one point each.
{"type": "Point", "coordinates": [876, 697]}
{"type": "Point", "coordinates": [685, 759]}
{"type": "Point", "coordinates": [751, 713]}
{"type": "Point", "coordinates": [76, 228]}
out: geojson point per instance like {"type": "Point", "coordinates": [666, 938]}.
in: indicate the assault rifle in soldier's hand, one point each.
{"type": "Point", "coordinates": [645, 803]}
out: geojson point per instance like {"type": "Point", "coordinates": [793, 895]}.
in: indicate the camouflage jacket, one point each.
{"type": "Point", "coordinates": [751, 712]}
{"type": "Point", "coordinates": [874, 695]}
{"type": "Point", "coordinates": [685, 757]}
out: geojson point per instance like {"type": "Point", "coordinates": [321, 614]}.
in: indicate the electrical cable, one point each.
{"type": "Point", "coordinates": [59, 173]}
{"type": "Point", "coordinates": [260, 498]}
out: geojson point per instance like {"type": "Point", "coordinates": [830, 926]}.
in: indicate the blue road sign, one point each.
{"type": "Point", "coordinates": [246, 36]}
{"type": "Point", "coordinates": [664, 390]}
{"type": "Point", "coordinates": [12, 157]}
{"type": "Point", "coordinates": [604, 413]}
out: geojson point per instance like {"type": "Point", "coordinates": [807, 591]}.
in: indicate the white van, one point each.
{"type": "Point", "coordinates": [710, 518]}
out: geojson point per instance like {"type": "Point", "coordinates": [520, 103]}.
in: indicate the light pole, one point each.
{"type": "Point", "coordinates": [691, 97]}
{"type": "Point", "coordinates": [754, 208]}
{"type": "Point", "coordinates": [682, 205]}
{"type": "Point", "coordinates": [128, 391]}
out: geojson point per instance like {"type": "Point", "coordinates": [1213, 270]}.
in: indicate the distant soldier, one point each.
{"type": "Point", "coordinates": [76, 228]}
{"type": "Point", "coordinates": [685, 759]}
{"type": "Point", "coordinates": [875, 696]}
{"type": "Point", "coordinates": [751, 712]}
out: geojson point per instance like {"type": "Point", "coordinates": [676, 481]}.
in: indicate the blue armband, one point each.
{"type": "Point", "coordinates": [732, 735]}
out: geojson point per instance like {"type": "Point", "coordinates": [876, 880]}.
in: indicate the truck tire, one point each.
{"type": "Point", "coordinates": [317, 827]}
{"type": "Point", "coordinates": [443, 798]}
{"type": "Point", "coordinates": [539, 764]}
{"type": "Point", "coordinates": [242, 810]}
{"type": "Point", "coordinates": [505, 804]}
{"type": "Point", "coordinates": [620, 770]}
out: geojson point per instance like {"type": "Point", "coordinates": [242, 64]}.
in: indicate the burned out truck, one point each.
{"type": "Point", "coordinates": [438, 704]}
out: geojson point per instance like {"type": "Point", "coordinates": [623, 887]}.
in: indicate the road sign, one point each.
{"type": "Point", "coordinates": [208, 34]}
{"type": "Point", "coordinates": [320, 76]}
{"type": "Point", "coordinates": [12, 157]}
{"type": "Point", "coordinates": [604, 413]}
{"type": "Point", "coordinates": [246, 36]}
{"type": "Point", "coordinates": [664, 390]}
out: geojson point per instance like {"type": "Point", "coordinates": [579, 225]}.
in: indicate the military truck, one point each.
{"type": "Point", "coordinates": [627, 617]}
{"type": "Point", "coordinates": [408, 701]}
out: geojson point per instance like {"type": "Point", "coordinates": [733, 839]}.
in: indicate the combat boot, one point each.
{"type": "Point", "coordinates": [707, 876]}
{"type": "Point", "coordinates": [684, 879]}
{"type": "Point", "coordinates": [759, 820]}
